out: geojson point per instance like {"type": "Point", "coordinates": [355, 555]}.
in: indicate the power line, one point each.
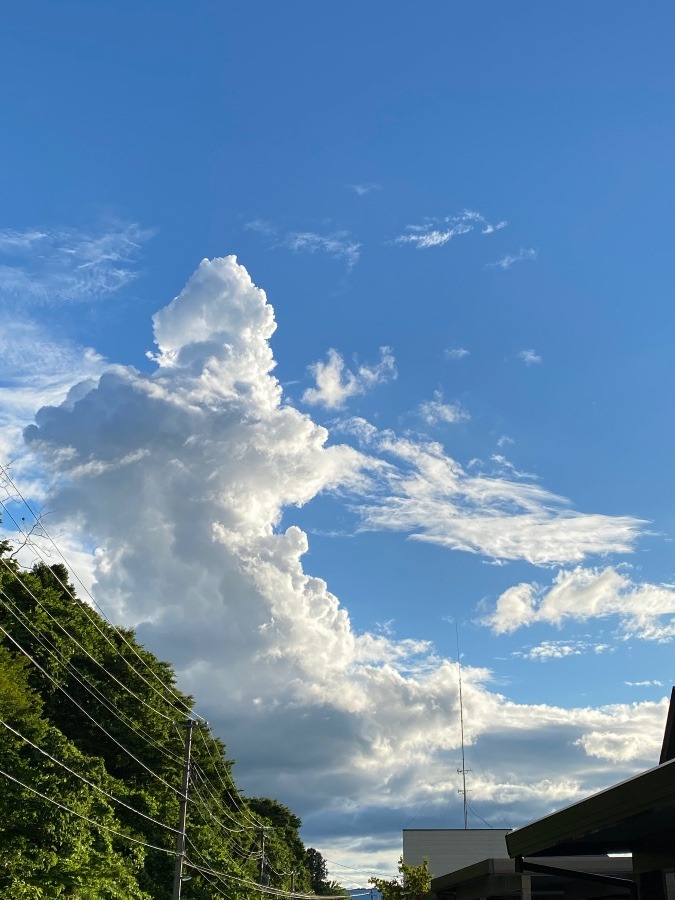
{"type": "Point", "coordinates": [92, 784]}
{"type": "Point", "coordinates": [44, 641]}
{"type": "Point", "coordinates": [202, 807]}
{"type": "Point", "coordinates": [5, 474]}
{"type": "Point", "coordinates": [87, 714]}
{"type": "Point", "coordinates": [203, 780]}
{"type": "Point", "coordinates": [276, 892]}
{"type": "Point", "coordinates": [236, 798]}
{"type": "Point", "coordinates": [93, 822]}
{"type": "Point", "coordinates": [79, 645]}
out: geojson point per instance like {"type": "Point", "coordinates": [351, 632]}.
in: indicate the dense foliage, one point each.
{"type": "Point", "coordinates": [91, 755]}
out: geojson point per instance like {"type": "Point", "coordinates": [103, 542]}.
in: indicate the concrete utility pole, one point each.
{"type": "Point", "coordinates": [188, 725]}
{"type": "Point", "coordinates": [261, 878]}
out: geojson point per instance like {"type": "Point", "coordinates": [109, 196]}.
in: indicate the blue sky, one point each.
{"type": "Point", "coordinates": [461, 217]}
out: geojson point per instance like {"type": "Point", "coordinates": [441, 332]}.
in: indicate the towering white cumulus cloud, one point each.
{"type": "Point", "coordinates": [179, 478]}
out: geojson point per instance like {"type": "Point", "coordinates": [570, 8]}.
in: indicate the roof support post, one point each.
{"type": "Point", "coordinates": [652, 885]}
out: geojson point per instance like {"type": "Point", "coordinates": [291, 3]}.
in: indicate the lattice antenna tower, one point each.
{"type": "Point", "coordinates": [463, 771]}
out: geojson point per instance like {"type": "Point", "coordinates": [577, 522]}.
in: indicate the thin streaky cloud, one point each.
{"type": "Point", "coordinates": [432, 238]}
{"type": "Point", "coordinates": [455, 352]}
{"type": "Point", "coordinates": [435, 232]}
{"type": "Point", "coordinates": [509, 259]}
{"type": "Point", "coordinates": [261, 226]}
{"type": "Point", "coordinates": [338, 245]}
{"type": "Point", "coordinates": [437, 412]}
{"type": "Point", "coordinates": [17, 242]}
{"type": "Point", "coordinates": [428, 495]}
{"type": "Point", "coordinates": [549, 650]}
{"type": "Point", "coordinates": [490, 229]}
{"type": "Point", "coordinates": [71, 266]}
{"type": "Point", "coordinates": [529, 357]}
{"type": "Point", "coordinates": [363, 189]}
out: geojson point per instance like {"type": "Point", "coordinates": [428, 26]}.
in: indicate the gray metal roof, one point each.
{"type": "Point", "coordinates": [635, 816]}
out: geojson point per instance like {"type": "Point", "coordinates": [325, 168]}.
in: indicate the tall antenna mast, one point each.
{"type": "Point", "coordinates": [464, 769]}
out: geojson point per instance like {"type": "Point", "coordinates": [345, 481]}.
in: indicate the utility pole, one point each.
{"type": "Point", "coordinates": [261, 878]}
{"type": "Point", "coordinates": [188, 725]}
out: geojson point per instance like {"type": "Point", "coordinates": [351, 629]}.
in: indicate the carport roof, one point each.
{"type": "Point", "coordinates": [634, 816]}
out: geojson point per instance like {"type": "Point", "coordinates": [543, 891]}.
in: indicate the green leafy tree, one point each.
{"type": "Point", "coordinates": [317, 870]}
{"type": "Point", "coordinates": [47, 850]}
{"type": "Point", "coordinates": [320, 883]}
{"type": "Point", "coordinates": [88, 695]}
{"type": "Point", "coordinates": [285, 854]}
{"type": "Point", "coordinates": [412, 882]}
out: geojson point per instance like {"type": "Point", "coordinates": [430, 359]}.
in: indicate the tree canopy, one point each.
{"type": "Point", "coordinates": [91, 755]}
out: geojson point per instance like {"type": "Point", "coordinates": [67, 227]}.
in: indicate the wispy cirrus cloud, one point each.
{"type": "Point", "coordinates": [524, 254]}
{"type": "Point", "coordinates": [437, 412]}
{"type": "Point", "coordinates": [362, 189]}
{"type": "Point", "coordinates": [455, 353]}
{"type": "Point", "coordinates": [549, 650]}
{"type": "Point", "coordinates": [431, 497]}
{"type": "Point", "coordinates": [434, 232]}
{"type": "Point", "coordinates": [529, 357]}
{"type": "Point", "coordinates": [338, 244]}
{"type": "Point", "coordinates": [67, 265]}
{"type": "Point", "coordinates": [335, 384]}
{"type": "Point", "coordinates": [645, 611]}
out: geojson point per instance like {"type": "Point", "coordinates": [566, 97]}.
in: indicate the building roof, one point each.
{"type": "Point", "coordinates": [634, 816]}
{"type": "Point", "coordinates": [507, 867]}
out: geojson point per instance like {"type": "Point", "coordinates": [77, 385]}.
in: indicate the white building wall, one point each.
{"type": "Point", "coordinates": [449, 849]}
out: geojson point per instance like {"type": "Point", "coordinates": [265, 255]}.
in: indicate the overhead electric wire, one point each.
{"type": "Point", "coordinates": [79, 677]}
{"type": "Point", "coordinates": [92, 784]}
{"type": "Point", "coordinates": [201, 805]}
{"type": "Point", "coordinates": [199, 772]}
{"type": "Point", "coordinates": [93, 822]}
{"type": "Point", "coordinates": [88, 715]}
{"type": "Point", "coordinates": [83, 649]}
{"type": "Point", "coordinates": [5, 474]}
{"type": "Point", "coordinates": [236, 799]}
{"type": "Point", "coordinates": [484, 821]}
{"type": "Point", "coordinates": [214, 885]}
{"type": "Point", "coordinates": [230, 790]}
{"type": "Point", "coordinates": [92, 689]}
{"type": "Point", "coordinates": [265, 889]}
